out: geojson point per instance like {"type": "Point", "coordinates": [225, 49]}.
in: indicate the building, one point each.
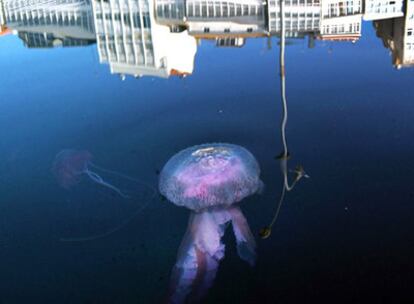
{"type": "Point", "coordinates": [2, 15]}
{"type": "Point", "coordinates": [159, 37]}
{"type": "Point", "coordinates": [301, 17]}
{"type": "Point", "coordinates": [132, 43]}
{"type": "Point", "coordinates": [49, 40]}
{"type": "Point", "coordinates": [207, 19]}
{"type": "Point", "coordinates": [4, 30]}
{"type": "Point", "coordinates": [398, 36]}
{"type": "Point", "coordinates": [383, 9]}
{"type": "Point", "coordinates": [57, 23]}
{"type": "Point", "coordinates": [341, 20]}
{"type": "Point", "coordinates": [247, 18]}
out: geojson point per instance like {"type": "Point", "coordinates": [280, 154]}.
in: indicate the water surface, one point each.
{"type": "Point", "coordinates": [344, 235]}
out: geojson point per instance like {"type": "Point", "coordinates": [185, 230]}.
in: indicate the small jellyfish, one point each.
{"type": "Point", "coordinates": [70, 165]}
{"type": "Point", "coordinates": [209, 179]}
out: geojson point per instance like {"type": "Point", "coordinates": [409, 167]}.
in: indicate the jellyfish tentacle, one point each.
{"type": "Point", "coordinates": [246, 244]}
{"type": "Point", "coordinates": [96, 178]}
{"type": "Point", "coordinates": [70, 165]}
{"type": "Point", "coordinates": [122, 175]}
{"type": "Point", "coordinates": [111, 231]}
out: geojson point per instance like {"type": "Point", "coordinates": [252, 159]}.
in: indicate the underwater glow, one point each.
{"type": "Point", "coordinates": [208, 179]}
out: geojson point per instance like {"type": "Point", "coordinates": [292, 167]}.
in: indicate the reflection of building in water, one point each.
{"type": "Point", "coordinates": [49, 40]}
{"type": "Point", "coordinates": [397, 35]}
{"type": "Point", "coordinates": [341, 20]}
{"type": "Point", "coordinates": [383, 9]}
{"type": "Point", "coordinates": [3, 27]}
{"type": "Point", "coordinates": [132, 43]}
{"type": "Point", "coordinates": [230, 42]}
{"type": "Point", "coordinates": [2, 16]}
{"type": "Point", "coordinates": [246, 18]}
{"type": "Point", "coordinates": [52, 23]}
{"type": "Point", "coordinates": [225, 20]}
{"type": "Point", "coordinates": [158, 37]}
{"type": "Point", "coordinates": [209, 18]}
{"type": "Point", "coordinates": [301, 17]}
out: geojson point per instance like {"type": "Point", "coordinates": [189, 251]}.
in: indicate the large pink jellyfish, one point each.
{"type": "Point", "coordinates": [69, 165]}
{"type": "Point", "coordinates": [209, 179]}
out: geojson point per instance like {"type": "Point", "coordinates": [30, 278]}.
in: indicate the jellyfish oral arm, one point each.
{"type": "Point", "coordinates": [207, 229]}
{"type": "Point", "coordinates": [183, 276]}
{"type": "Point", "coordinates": [201, 251]}
{"type": "Point", "coordinates": [198, 259]}
{"type": "Point", "coordinates": [246, 245]}
{"type": "Point", "coordinates": [191, 282]}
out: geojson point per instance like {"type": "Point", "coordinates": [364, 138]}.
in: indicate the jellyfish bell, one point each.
{"type": "Point", "coordinates": [69, 165]}
{"type": "Point", "coordinates": [209, 180]}
{"type": "Point", "coordinates": [210, 175]}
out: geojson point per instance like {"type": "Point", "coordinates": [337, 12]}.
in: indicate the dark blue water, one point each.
{"type": "Point", "coordinates": [344, 235]}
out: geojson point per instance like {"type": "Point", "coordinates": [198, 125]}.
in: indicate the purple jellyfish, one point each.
{"type": "Point", "coordinates": [69, 166]}
{"type": "Point", "coordinates": [209, 179]}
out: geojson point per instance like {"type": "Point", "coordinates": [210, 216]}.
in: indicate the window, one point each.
{"type": "Point", "coordinates": [190, 11]}
{"type": "Point", "coordinates": [232, 10]}
{"type": "Point", "coordinates": [204, 9]}
{"type": "Point", "coordinates": [197, 10]}
{"type": "Point", "coordinates": [238, 9]}
{"type": "Point", "coordinates": [211, 9]}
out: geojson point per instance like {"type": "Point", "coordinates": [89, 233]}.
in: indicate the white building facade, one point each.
{"type": "Point", "coordinates": [301, 16]}
{"type": "Point", "coordinates": [341, 20]}
{"type": "Point", "coordinates": [132, 43]}
{"type": "Point", "coordinates": [407, 44]}
{"type": "Point", "coordinates": [2, 15]}
{"type": "Point", "coordinates": [383, 9]}
{"type": "Point", "coordinates": [202, 17]}
{"type": "Point", "coordinates": [60, 22]}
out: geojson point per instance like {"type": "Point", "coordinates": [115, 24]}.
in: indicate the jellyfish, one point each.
{"type": "Point", "coordinates": [70, 165]}
{"type": "Point", "coordinates": [209, 180]}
